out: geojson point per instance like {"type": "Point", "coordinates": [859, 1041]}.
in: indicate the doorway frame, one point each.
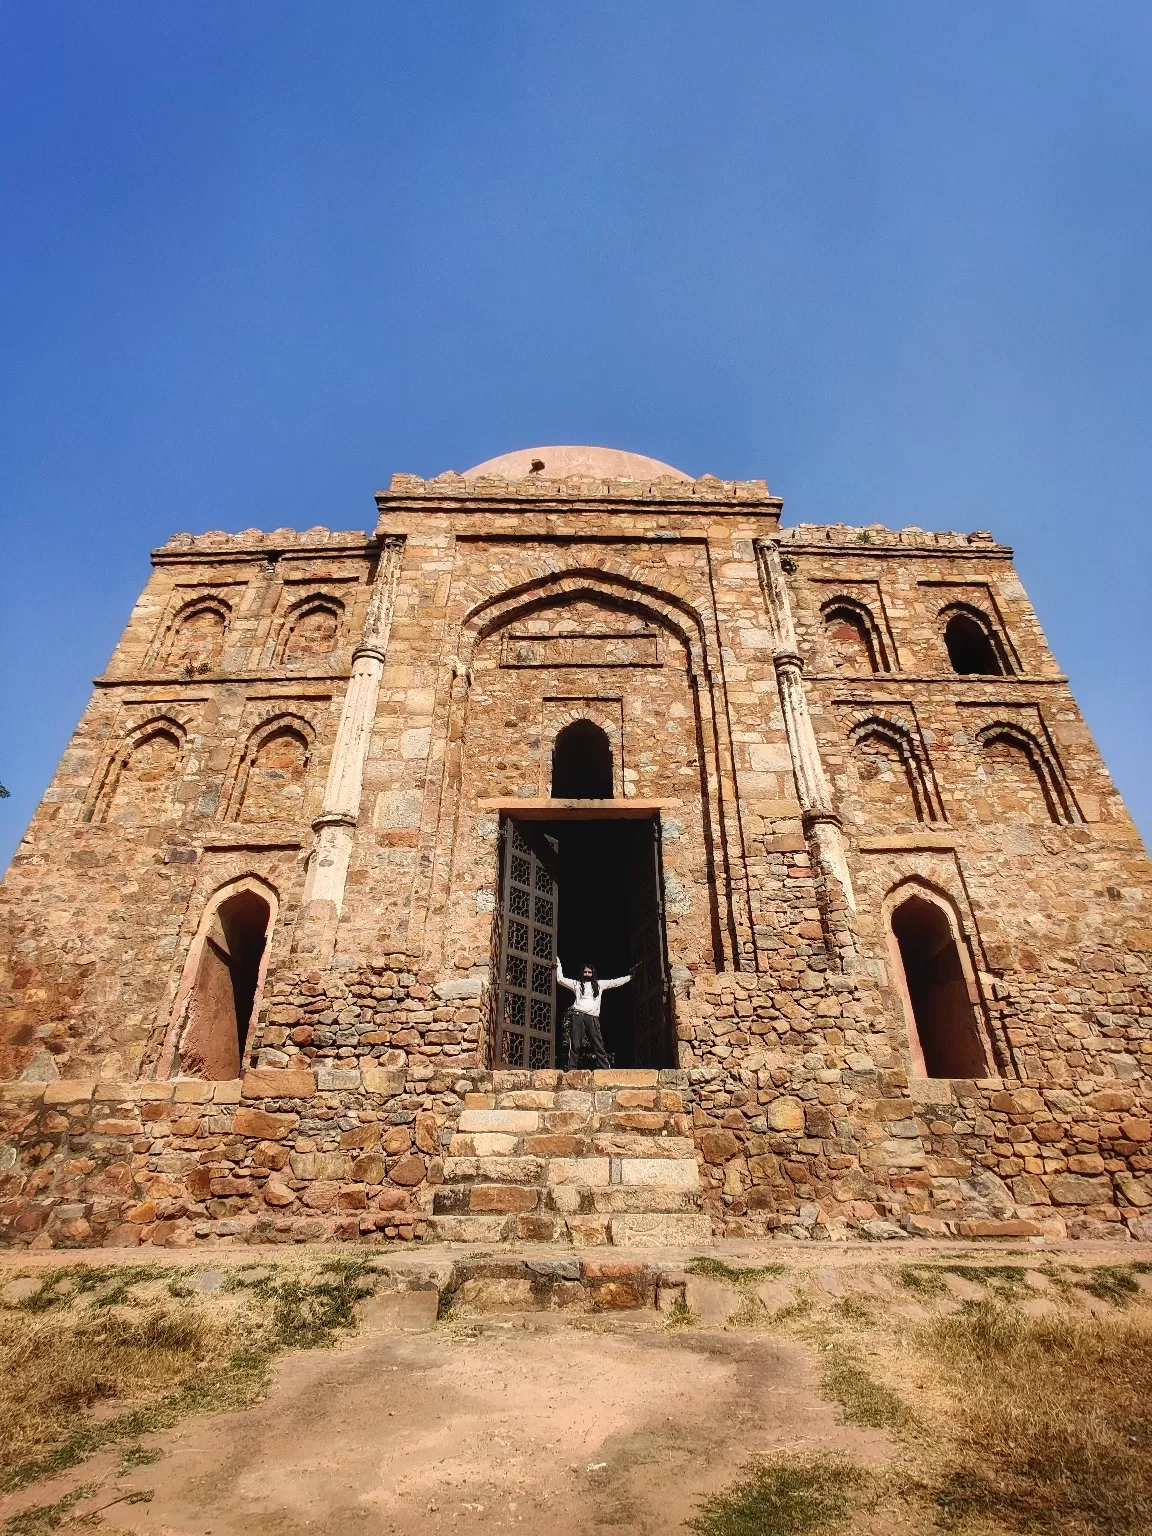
{"type": "Point", "coordinates": [539, 809]}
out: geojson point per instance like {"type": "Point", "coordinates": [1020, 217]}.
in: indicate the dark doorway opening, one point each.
{"type": "Point", "coordinates": [590, 891]}
{"type": "Point", "coordinates": [938, 991]}
{"type": "Point", "coordinates": [224, 993]}
{"type": "Point", "coordinates": [970, 648]}
{"type": "Point", "coordinates": [582, 763]}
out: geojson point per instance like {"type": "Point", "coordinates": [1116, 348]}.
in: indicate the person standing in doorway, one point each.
{"type": "Point", "coordinates": [582, 1021]}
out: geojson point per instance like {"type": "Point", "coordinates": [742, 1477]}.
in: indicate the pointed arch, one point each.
{"type": "Point", "coordinates": [271, 781]}
{"type": "Point", "coordinates": [853, 635]}
{"type": "Point", "coordinates": [891, 769]}
{"type": "Point", "coordinates": [1023, 778]}
{"type": "Point", "coordinates": [197, 634]}
{"type": "Point", "coordinates": [973, 642]}
{"type": "Point", "coordinates": [936, 981]}
{"type": "Point", "coordinates": [138, 786]}
{"type": "Point", "coordinates": [222, 982]}
{"type": "Point", "coordinates": [582, 762]}
{"type": "Point", "coordinates": [312, 628]}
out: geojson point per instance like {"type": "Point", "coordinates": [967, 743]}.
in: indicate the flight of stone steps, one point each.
{"type": "Point", "coordinates": [573, 1157]}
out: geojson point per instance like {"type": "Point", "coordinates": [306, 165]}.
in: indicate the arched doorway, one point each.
{"type": "Point", "coordinates": [582, 763]}
{"type": "Point", "coordinates": [222, 980]}
{"type": "Point", "coordinates": [943, 1025]}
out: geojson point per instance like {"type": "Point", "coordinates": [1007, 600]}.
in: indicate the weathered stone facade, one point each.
{"type": "Point", "coordinates": [900, 978]}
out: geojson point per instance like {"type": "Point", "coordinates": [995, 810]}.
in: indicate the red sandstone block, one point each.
{"type": "Point", "coordinates": [258, 1122]}
{"type": "Point", "coordinates": [1001, 1229]}
{"type": "Point", "coordinates": [505, 1199]}
{"type": "Point", "coordinates": [278, 1083]}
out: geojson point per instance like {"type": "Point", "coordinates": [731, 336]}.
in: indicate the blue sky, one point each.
{"type": "Point", "coordinates": [254, 258]}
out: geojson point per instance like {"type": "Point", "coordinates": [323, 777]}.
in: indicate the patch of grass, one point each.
{"type": "Point", "coordinates": [716, 1269]}
{"type": "Point", "coordinates": [1054, 1434]}
{"type": "Point", "coordinates": [111, 1284]}
{"type": "Point", "coordinates": [680, 1315]}
{"type": "Point", "coordinates": [861, 1398]}
{"type": "Point", "coordinates": [923, 1281]}
{"type": "Point", "coordinates": [44, 1518]}
{"type": "Point", "coordinates": [137, 1456]}
{"type": "Point", "coordinates": [784, 1496]}
{"type": "Point", "coordinates": [855, 1309]}
{"type": "Point", "coordinates": [1111, 1282]}
{"type": "Point", "coordinates": [169, 1358]}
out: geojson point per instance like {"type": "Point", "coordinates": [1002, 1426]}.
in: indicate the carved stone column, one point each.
{"type": "Point", "coordinates": [821, 823]}
{"type": "Point", "coordinates": [335, 826]}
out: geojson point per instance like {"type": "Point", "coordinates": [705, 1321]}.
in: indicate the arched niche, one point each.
{"type": "Point", "coordinates": [223, 978]}
{"type": "Point", "coordinates": [937, 986]}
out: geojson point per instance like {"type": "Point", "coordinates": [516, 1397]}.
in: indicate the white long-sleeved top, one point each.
{"type": "Point", "coordinates": [588, 1001]}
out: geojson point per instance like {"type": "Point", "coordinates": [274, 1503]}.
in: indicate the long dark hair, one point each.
{"type": "Point", "coordinates": [595, 979]}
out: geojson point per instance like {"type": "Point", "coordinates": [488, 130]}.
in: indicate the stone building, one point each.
{"type": "Point", "coordinates": [278, 947]}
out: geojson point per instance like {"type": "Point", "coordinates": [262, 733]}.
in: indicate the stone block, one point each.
{"type": "Point", "coordinates": [1080, 1189]}
{"type": "Point", "coordinates": [385, 1081]}
{"type": "Point", "coordinates": [497, 1170]}
{"type": "Point", "coordinates": [711, 1302]}
{"type": "Point", "coordinates": [495, 1294]}
{"type": "Point", "coordinates": [484, 1199]}
{"type": "Point", "coordinates": [68, 1091]}
{"type": "Point", "coordinates": [585, 1172]}
{"type": "Point", "coordinates": [660, 1172]}
{"type": "Point", "coordinates": [661, 1231]}
{"type": "Point", "coordinates": [785, 1114]}
{"type": "Point", "coordinates": [517, 1121]}
{"type": "Point", "coordinates": [626, 1078]}
{"type": "Point", "coordinates": [189, 1090]}
{"type": "Point", "coordinates": [278, 1083]}
{"type": "Point", "coordinates": [398, 1312]}
{"type": "Point", "coordinates": [338, 1079]}
{"type": "Point", "coordinates": [261, 1124]}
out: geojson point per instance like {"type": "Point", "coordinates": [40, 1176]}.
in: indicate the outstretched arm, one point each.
{"type": "Point", "coordinates": [562, 979]}
{"type": "Point", "coordinates": [617, 981]}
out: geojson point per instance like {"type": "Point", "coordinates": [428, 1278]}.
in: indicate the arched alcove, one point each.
{"type": "Point", "coordinates": [582, 763]}
{"type": "Point", "coordinates": [970, 647]}
{"type": "Point", "coordinates": [222, 982]}
{"type": "Point", "coordinates": [937, 990]}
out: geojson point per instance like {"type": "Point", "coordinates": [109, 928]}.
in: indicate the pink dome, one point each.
{"type": "Point", "coordinates": [599, 463]}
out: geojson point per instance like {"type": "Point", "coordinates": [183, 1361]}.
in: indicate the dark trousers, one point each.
{"type": "Point", "coordinates": [583, 1030]}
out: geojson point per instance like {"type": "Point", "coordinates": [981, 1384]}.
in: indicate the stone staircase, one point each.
{"type": "Point", "coordinates": [573, 1157]}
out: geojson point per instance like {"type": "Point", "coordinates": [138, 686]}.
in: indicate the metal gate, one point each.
{"type": "Point", "coordinates": [650, 1011]}
{"type": "Point", "coordinates": [529, 903]}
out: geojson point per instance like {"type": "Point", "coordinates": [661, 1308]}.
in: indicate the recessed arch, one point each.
{"type": "Point", "coordinates": [138, 787]}
{"type": "Point", "coordinates": [936, 983]}
{"type": "Point", "coordinates": [222, 982]}
{"type": "Point", "coordinates": [271, 783]}
{"type": "Point", "coordinates": [311, 629]}
{"type": "Point", "coordinates": [891, 770]}
{"type": "Point", "coordinates": [973, 643]}
{"type": "Point", "coordinates": [853, 636]}
{"type": "Point", "coordinates": [1023, 779]}
{"type": "Point", "coordinates": [197, 635]}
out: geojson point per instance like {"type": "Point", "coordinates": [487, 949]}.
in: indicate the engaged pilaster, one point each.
{"type": "Point", "coordinates": [821, 823]}
{"type": "Point", "coordinates": [335, 826]}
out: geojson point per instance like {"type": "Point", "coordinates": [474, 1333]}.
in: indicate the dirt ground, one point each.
{"type": "Point", "coordinates": [542, 1421]}
{"type": "Point", "coordinates": [569, 1430]}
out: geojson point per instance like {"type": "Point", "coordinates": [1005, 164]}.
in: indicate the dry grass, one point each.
{"type": "Point", "coordinates": [86, 1363]}
{"type": "Point", "coordinates": [1051, 1431]}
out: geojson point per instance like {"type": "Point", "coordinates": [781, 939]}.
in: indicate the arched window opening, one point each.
{"type": "Point", "coordinates": [314, 633]}
{"type": "Point", "coordinates": [276, 778]}
{"type": "Point", "coordinates": [582, 763]}
{"type": "Point", "coordinates": [970, 647]}
{"type": "Point", "coordinates": [198, 639]}
{"type": "Point", "coordinates": [223, 994]}
{"type": "Point", "coordinates": [144, 789]}
{"type": "Point", "coordinates": [937, 991]}
{"type": "Point", "coordinates": [851, 638]}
